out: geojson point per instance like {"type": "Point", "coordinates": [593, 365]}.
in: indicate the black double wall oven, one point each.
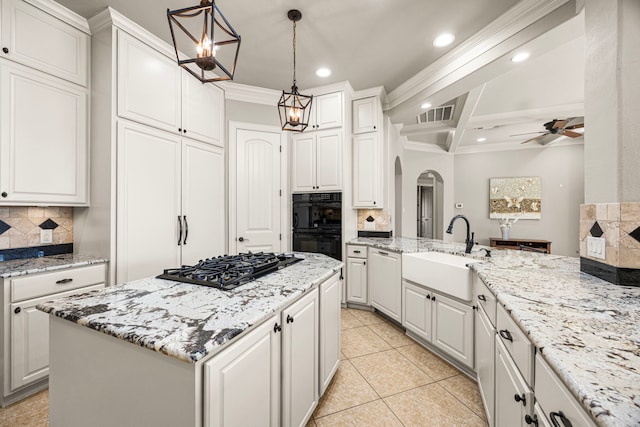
{"type": "Point", "coordinates": [317, 223]}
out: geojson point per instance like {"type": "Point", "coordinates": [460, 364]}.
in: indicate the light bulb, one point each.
{"type": "Point", "coordinates": [294, 116]}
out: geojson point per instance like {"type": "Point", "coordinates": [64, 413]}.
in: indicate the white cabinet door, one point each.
{"type": "Point", "coordinates": [453, 328]}
{"type": "Point", "coordinates": [203, 202]}
{"type": "Point", "coordinates": [367, 170]}
{"type": "Point", "coordinates": [416, 310]}
{"type": "Point", "coordinates": [510, 412]}
{"type": "Point", "coordinates": [36, 38]}
{"type": "Point", "coordinates": [365, 114]}
{"type": "Point", "coordinates": [327, 111]}
{"type": "Point", "coordinates": [485, 335]}
{"type": "Point", "coordinates": [303, 162]}
{"type": "Point", "coordinates": [357, 280]}
{"type": "Point", "coordinates": [30, 338]}
{"type": "Point", "coordinates": [43, 134]}
{"type": "Point", "coordinates": [149, 85]}
{"type": "Point", "coordinates": [329, 161]}
{"type": "Point", "coordinates": [242, 383]}
{"type": "Point", "coordinates": [330, 296]}
{"type": "Point", "coordinates": [300, 360]}
{"type": "Point", "coordinates": [385, 282]}
{"type": "Point", "coordinates": [148, 201]}
{"type": "Point", "coordinates": [202, 110]}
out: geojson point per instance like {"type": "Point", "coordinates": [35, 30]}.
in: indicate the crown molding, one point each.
{"type": "Point", "coordinates": [425, 147]}
{"type": "Point", "coordinates": [374, 91]}
{"type": "Point", "coordinates": [253, 94]}
{"type": "Point", "coordinates": [468, 54]}
{"type": "Point", "coordinates": [510, 146]}
{"type": "Point", "coordinates": [62, 13]}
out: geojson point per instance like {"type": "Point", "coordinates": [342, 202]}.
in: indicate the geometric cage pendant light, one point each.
{"type": "Point", "coordinates": [204, 41]}
{"type": "Point", "coordinates": [294, 108]}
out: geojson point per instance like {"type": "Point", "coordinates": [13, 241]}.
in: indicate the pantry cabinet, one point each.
{"type": "Point", "coordinates": [316, 161]}
{"type": "Point", "coordinates": [43, 138]}
{"type": "Point", "coordinates": [25, 348]}
{"type": "Point", "coordinates": [47, 37]}
{"type": "Point", "coordinates": [385, 282]}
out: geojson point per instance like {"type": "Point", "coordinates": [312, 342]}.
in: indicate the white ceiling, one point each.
{"type": "Point", "coordinates": [388, 43]}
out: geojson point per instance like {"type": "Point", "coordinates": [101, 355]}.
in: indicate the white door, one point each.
{"type": "Point", "coordinates": [303, 162]}
{"type": "Point", "coordinates": [385, 282]}
{"type": "Point", "coordinates": [365, 115]}
{"type": "Point", "coordinates": [416, 306]}
{"type": "Point", "coordinates": [328, 111]}
{"type": "Point", "coordinates": [300, 360]}
{"type": "Point", "coordinates": [366, 171]}
{"type": "Point", "coordinates": [258, 191]}
{"type": "Point", "coordinates": [242, 383]}
{"type": "Point", "coordinates": [43, 134]}
{"type": "Point", "coordinates": [148, 202]}
{"type": "Point", "coordinates": [29, 342]}
{"type": "Point", "coordinates": [453, 328]}
{"type": "Point", "coordinates": [202, 110]}
{"type": "Point", "coordinates": [485, 361]}
{"type": "Point", "coordinates": [357, 280]}
{"type": "Point", "coordinates": [330, 295]}
{"type": "Point", "coordinates": [328, 161]}
{"type": "Point", "coordinates": [203, 201]}
{"type": "Point", "coordinates": [510, 412]}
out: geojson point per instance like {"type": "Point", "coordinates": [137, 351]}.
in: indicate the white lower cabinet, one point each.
{"type": "Point", "coordinates": [442, 321]}
{"type": "Point", "coordinates": [514, 398]}
{"type": "Point", "coordinates": [357, 280]}
{"type": "Point", "coordinates": [485, 334]}
{"type": "Point", "coordinates": [385, 282]}
{"type": "Point", "coordinates": [330, 298]}
{"type": "Point", "coordinates": [274, 370]}
{"type": "Point", "coordinates": [26, 332]}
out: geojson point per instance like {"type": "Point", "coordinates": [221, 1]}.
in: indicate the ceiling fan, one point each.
{"type": "Point", "coordinates": [557, 128]}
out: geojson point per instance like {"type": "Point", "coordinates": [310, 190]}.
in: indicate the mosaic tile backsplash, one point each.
{"type": "Point", "coordinates": [619, 224]}
{"type": "Point", "coordinates": [382, 219]}
{"type": "Point", "coordinates": [20, 226]}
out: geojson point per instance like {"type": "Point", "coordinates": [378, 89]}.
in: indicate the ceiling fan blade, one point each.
{"type": "Point", "coordinates": [559, 124]}
{"type": "Point", "coordinates": [576, 126]}
{"type": "Point", "coordinates": [548, 139]}
{"type": "Point", "coordinates": [574, 122]}
{"type": "Point", "coordinates": [537, 138]}
{"type": "Point", "coordinates": [528, 133]}
{"type": "Point", "coordinates": [571, 134]}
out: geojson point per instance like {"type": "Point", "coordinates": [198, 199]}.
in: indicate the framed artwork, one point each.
{"type": "Point", "coordinates": [519, 197]}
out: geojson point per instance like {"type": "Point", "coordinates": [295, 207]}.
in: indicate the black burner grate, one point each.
{"type": "Point", "coordinates": [230, 271]}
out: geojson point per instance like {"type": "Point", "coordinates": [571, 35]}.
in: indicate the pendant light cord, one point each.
{"type": "Point", "coordinates": [294, 54]}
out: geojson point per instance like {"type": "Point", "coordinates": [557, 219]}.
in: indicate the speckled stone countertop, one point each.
{"type": "Point", "coordinates": [188, 321]}
{"type": "Point", "coordinates": [588, 330]}
{"type": "Point", "coordinates": [21, 267]}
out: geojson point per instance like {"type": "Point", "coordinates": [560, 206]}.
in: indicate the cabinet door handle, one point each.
{"type": "Point", "coordinates": [482, 298]}
{"type": "Point", "coordinates": [186, 229]}
{"type": "Point", "coordinates": [277, 328]}
{"type": "Point", "coordinates": [4, 194]}
{"type": "Point", "coordinates": [560, 415]}
{"type": "Point", "coordinates": [531, 420]}
{"type": "Point", "coordinates": [5, 50]}
{"type": "Point", "coordinates": [63, 281]}
{"type": "Point", "coordinates": [289, 318]}
{"type": "Point", "coordinates": [17, 310]}
{"type": "Point", "coordinates": [519, 398]}
{"type": "Point", "coordinates": [374, 128]}
{"type": "Point", "coordinates": [506, 335]}
{"type": "Point", "coordinates": [433, 298]}
{"type": "Point", "coordinates": [179, 230]}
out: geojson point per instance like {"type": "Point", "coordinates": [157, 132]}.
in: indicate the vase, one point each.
{"type": "Point", "coordinates": [505, 233]}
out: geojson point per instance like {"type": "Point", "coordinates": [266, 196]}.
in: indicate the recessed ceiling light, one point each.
{"type": "Point", "coordinates": [481, 139]}
{"type": "Point", "coordinates": [444, 40]}
{"type": "Point", "coordinates": [520, 56]}
{"type": "Point", "coordinates": [425, 106]}
{"type": "Point", "coordinates": [323, 72]}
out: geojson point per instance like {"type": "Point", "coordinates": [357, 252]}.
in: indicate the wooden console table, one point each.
{"type": "Point", "coordinates": [515, 244]}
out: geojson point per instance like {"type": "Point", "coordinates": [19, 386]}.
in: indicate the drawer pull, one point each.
{"type": "Point", "coordinates": [482, 298]}
{"type": "Point", "coordinates": [506, 335]}
{"type": "Point", "coordinates": [17, 310]}
{"type": "Point", "coordinates": [63, 281]}
{"type": "Point", "coordinates": [356, 252]}
{"type": "Point", "coordinates": [531, 420]}
{"type": "Point", "coordinates": [383, 253]}
{"type": "Point", "coordinates": [522, 399]}
{"type": "Point", "coordinates": [560, 415]}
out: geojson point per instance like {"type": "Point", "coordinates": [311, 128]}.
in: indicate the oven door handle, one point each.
{"type": "Point", "coordinates": [295, 220]}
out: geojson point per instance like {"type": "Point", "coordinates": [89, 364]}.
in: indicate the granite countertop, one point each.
{"type": "Point", "coordinates": [585, 328]}
{"type": "Point", "coordinates": [22, 267]}
{"type": "Point", "coordinates": [188, 321]}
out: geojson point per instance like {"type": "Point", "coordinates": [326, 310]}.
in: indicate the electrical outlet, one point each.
{"type": "Point", "coordinates": [46, 236]}
{"type": "Point", "coordinates": [596, 247]}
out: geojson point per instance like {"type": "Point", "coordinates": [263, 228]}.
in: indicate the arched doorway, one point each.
{"type": "Point", "coordinates": [429, 204]}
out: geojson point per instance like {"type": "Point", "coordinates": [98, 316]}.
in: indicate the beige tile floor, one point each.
{"type": "Point", "coordinates": [384, 379]}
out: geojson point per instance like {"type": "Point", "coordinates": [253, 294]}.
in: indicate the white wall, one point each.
{"type": "Point", "coordinates": [249, 112]}
{"type": "Point", "coordinates": [561, 169]}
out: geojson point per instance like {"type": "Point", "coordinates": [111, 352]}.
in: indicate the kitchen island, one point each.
{"type": "Point", "coordinates": [584, 328]}
{"type": "Point", "coordinates": [99, 378]}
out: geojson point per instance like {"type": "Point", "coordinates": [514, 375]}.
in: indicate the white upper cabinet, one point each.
{"type": "Point", "coordinates": [365, 114]}
{"type": "Point", "coordinates": [329, 161]}
{"type": "Point", "coordinates": [43, 138]}
{"type": "Point", "coordinates": [326, 111]}
{"type": "Point", "coordinates": [153, 90]}
{"type": "Point", "coordinates": [36, 38]}
{"type": "Point", "coordinates": [316, 161]}
{"type": "Point", "coordinates": [367, 171]}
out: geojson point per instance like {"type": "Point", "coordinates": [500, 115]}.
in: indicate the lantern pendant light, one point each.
{"type": "Point", "coordinates": [294, 108]}
{"type": "Point", "coordinates": [194, 41]}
